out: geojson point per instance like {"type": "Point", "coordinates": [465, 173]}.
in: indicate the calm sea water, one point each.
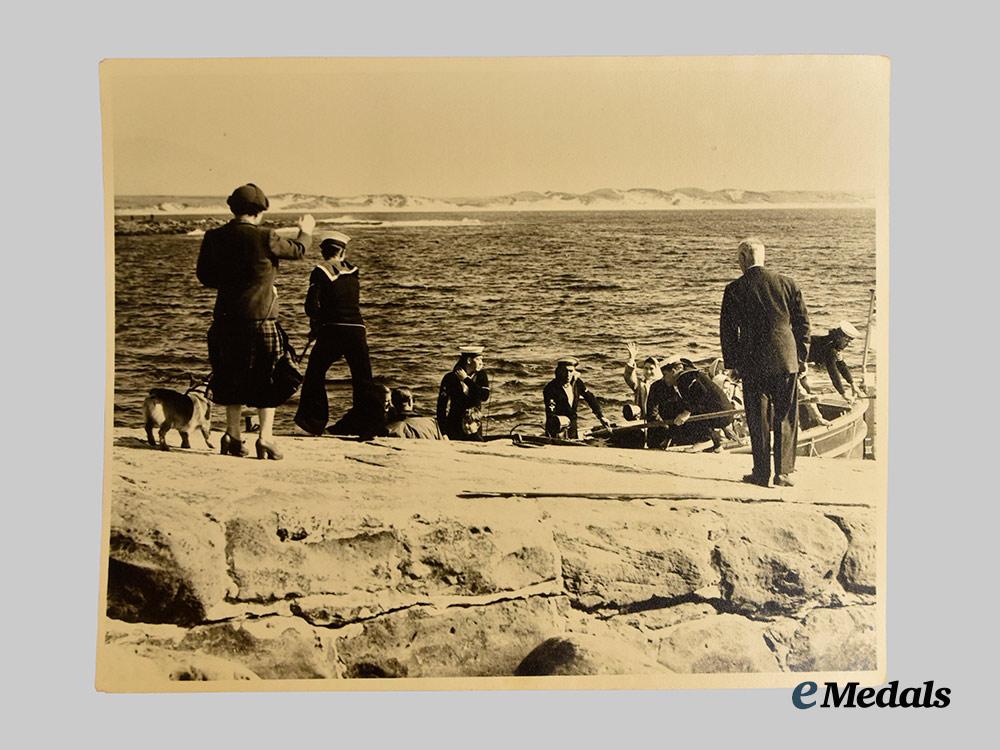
{"type": "Point", "coordinates": [530, 287]}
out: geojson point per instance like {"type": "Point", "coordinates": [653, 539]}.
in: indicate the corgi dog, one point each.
{"type": "Point", "coordinates": [166, 409]}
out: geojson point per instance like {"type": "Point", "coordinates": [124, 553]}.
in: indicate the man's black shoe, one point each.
{"type": "Point", "coordinates": [754, 479]}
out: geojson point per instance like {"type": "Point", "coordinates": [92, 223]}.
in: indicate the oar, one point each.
{"type": "Point", "coordinates": [827, 399]}
{"type": "Point", "coordinates": [696, 418]}
{"type": "Point", "coordinates": [621, 496]}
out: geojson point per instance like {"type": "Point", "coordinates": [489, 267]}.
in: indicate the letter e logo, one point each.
{"type": "Point", "coordinates": [803, 690]}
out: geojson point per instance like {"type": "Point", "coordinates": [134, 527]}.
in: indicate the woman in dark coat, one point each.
{"type": "Point", "coordinates": [245, 342]}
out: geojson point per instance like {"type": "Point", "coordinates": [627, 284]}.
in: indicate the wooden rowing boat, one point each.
{"type": "Point", "coordinates": [844, 437]}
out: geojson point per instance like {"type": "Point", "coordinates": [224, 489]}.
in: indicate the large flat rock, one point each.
{"type": "Point", "coordinates": [425, 558]}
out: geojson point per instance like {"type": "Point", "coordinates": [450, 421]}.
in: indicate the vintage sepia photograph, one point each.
{"type": "Point", "coordinates": [495, 373]}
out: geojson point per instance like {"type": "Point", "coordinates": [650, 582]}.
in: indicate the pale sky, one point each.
{"type": "Point", "coordinates": [478, 127]}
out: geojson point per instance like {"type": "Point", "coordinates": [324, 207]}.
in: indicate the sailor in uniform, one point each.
{"type": "Point", "coordinates": [827, 351]}
{"type": "Point", "coordinates": [333, 306]}
{"type": "Point", "coordinates": [462, 394]}
{"type": "Point", "coordinates": [562, 397]}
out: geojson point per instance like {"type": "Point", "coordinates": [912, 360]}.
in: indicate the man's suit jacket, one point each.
{"type": "Point", "coordinates": [558, 404]}
{"type": "Point", "coordinates": [764, 326]}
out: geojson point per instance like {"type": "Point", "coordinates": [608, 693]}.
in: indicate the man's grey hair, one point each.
{"type": "Point", "coordinates": [751, 252]}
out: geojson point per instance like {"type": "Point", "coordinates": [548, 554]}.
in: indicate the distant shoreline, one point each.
{"type": "Point", "coordinates": [208, 211]}
{"type": "Point", "coordinates": [195, 222]}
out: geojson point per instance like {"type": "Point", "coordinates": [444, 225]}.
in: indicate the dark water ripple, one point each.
{"type": "Point", "coordinates": [530, 287]}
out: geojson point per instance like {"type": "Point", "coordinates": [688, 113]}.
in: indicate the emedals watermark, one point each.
{"type": "Point", "coordinates": [852, 695]}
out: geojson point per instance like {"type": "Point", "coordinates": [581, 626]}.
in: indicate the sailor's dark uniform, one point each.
{"type": "Point", "coordinates": [559, 404]}
{"type": "Point", "coordinates": [333, 306]}
{"type": "Point", "coordinates": [694, 392]}
{"type": "Point", "coordinates": [459, 396]}
{"type": "Point", "coordinates": [823, 351]}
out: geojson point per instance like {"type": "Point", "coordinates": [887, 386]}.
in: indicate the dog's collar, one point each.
{"type": "Point", "coordinates": [201, 389]}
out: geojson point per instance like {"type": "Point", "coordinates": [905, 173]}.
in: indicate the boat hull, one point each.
{"type": "Point", "coordinates": [844, 437]}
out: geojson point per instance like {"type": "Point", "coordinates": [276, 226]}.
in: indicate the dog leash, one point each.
{"type": "Point", "coordinates": [201, 387]}
{"type": "Point", "coordinates": [305, 350]}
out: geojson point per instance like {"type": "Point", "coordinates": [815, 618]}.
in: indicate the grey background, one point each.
{"type": "Point", "coordinates": [942, 504]}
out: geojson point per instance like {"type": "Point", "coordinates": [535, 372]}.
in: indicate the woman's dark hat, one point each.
{"type": "Point", "coordinates": [248, 199]}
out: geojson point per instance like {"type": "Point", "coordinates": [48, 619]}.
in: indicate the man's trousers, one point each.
{"type": "Point", "coordinates": [333, 342]}
{"type": "Point", "coordinates": [772, 404]}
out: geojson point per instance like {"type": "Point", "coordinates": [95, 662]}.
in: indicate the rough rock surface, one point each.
{"type": "Point", "coordinates": [167, 563]}
{"type": "Point", "coordinates": [578, 654]}
{"type": "Point", "coordinates": [840, 640]}
{"type": "Point", "coordinates": [724, 643]}
{"type": "Point", "coordinates": [269, 648]}
{"type": "Point", "coordinates": [142, 666]}
{"type": "Point", "coordinates": [328, 549]}
{"type": "Point", "coordinates": [859, 568]}
{"type": "Point", "coordinates": [775, 560]}
{"type": "Point", "coordinates": [459, 641]}
{"type": "Point", "coordinates": [351, 560]}
{"type": "Point", "coordinates": [635, 554]}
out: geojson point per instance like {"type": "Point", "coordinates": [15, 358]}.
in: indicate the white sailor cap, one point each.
{"type": "Point", "coordinates": [571, 361]}
{"type": "Point", "coordinates": [470, 349]}
{"type": "Point", "coordinates": [670, 360]}
{"type": "Point", "coordinates": [338, 239]}
{"type": "Point", "coordinates": [848, 329]}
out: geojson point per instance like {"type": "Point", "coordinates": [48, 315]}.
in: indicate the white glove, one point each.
{"type": "Point", "coordinates": [307, 224]}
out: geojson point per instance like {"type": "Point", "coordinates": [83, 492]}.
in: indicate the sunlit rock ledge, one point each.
{"type": "Point", "coordinates": [436, 559]}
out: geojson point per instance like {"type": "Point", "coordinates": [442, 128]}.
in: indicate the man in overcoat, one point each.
{"type": "Point", "coordinates": [764, 331]}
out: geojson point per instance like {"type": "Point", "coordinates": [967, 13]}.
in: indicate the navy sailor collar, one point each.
{"type": "Point", "coordinates": [333, 273]}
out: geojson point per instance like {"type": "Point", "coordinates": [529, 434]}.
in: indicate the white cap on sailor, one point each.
{"type": "Point", "coordinates": [334, 238]}
{"type": "Point", "coordinates": [848, 329]}
{"type": "Point", "coordinates": [571, 361]}
{"type": "Point", "coordinates": [470, 349]}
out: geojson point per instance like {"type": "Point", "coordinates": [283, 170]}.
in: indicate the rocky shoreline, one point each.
{"type": "Point", "coordinates": [130, 226]}
{"type": "Point", "coordinates": [385, 559]}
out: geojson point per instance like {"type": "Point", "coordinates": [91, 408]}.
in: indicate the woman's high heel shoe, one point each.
{"type": "Point", "coordinates": [268, 450]}
{"type": "Point", "coordinates": [230, 446]}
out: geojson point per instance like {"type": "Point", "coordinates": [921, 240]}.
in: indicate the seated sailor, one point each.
{"type": "Point", "coordinates": [683, 393]}
{"type": "Point", "coordinates": [562, 397]}
{"type": "Point", "coordinates": [462, 394]}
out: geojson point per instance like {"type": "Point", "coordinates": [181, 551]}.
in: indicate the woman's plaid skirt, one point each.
{"type": "Point", "coordinates": [243, 354]}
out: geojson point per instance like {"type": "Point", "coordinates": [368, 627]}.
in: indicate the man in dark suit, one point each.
{"type": "Point", "coordinates": [562, 397]}
{"type": "Point", "coordinates": [764, 329]}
